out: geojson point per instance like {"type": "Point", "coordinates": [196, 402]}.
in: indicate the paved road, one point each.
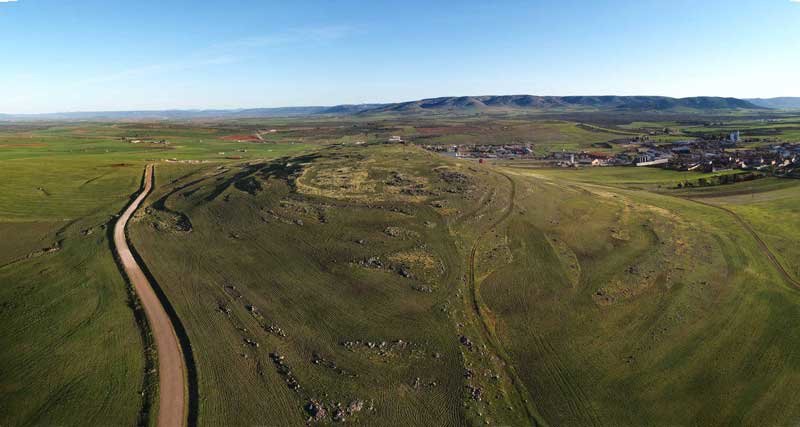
{"type": "Point", "coordinates": [171, 369]}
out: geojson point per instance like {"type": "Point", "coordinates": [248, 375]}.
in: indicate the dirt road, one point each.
{"type": "Point", "coordinates": [171, 369]}
{"type": "Point", "coordinates": [762, 244]}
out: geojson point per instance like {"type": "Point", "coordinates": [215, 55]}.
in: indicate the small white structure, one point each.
{"type": "Point", "coordinates": [655, 162]}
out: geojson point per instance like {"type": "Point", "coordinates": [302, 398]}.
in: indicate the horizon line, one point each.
{"type": "Point", "coordinates": [234, 109]}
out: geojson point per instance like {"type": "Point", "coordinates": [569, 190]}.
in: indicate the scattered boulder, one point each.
{"type": "Point", "coordinates": [275, 330]}
{"type": "Point", "coordinates": [393, 231]}
{"type": "Point", "coordinates": [317, 410]}
{"type": "Point", "coordinates": [338, 415]}
{"type": "Point", "coordinates": [476, 393]}
{"type": "Point", "coordinates": [355, 406]}
{"type": "Point", "coordinates": [457, 182]}
{"type": "Point", "coordinates": [405, 272]}
{"type": "Point", "coordinates": [372, 262]}
{"type": "Point", "coordinates": [423, 289]}
{"type": "Point", "coordinates": [397, 180]}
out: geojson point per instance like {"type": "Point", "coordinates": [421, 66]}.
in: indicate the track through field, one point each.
{"type": "Point", "coordinates": [171, 367]}
{"type": "Point", "coordinates": [761, 243]}
{"type": "Point", "coordinates": [492, 341]}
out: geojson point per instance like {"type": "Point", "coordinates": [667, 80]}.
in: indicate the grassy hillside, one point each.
{"type": "Point", "coordinates": [560, 301]}
{"type": "Point", "coordinates": [638, 321]}
{"type": "Point", "coordinates": [73, 348]}
{"type": "Point", "coordinates": [772, 208]}
{"type": "Point", "coordinates": [342, 263]}
{"type": "Point", "coordinates": [386, 285]}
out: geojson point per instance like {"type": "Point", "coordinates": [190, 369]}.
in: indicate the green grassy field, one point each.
{"type": "Point", "coordinates": [544, 135]}
{"type": "Point", "coordinates": [641, 178]}
{"type": "Point", "coordinates": [782, 129]}
{"type": "Point", "coordinates": [343, 267]}
{"type": "Point", "coordinates": [67, 328]}
{"type": "Point", "coordinates": [387, 285]}
{"type": "Point", "coordinates": [644, 333]}
{"type": "Point", "coordinates": [73, 352]}
{"type": "Point", "coordinates": [772, 208]}
{"type": "Point", "coordinates": [596, 300]}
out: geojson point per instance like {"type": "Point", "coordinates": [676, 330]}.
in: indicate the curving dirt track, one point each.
{"type": "Point", "coordinates": [761, 243]}
{"type": "Point", "coordinates": [490, 338]}
{"type": "Point", "coordinates": [171, 368]}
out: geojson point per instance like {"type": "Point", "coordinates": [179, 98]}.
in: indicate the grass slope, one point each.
{"type": "Point", "coordinates": [386, 285]}
{"type": "Point", "coordinates": [73, 353]}
{"type": "Point", "coordinates": [72, 349]}
{"type": "Point", "coordinates": [645, 333]}
{"type": "Point", "coordinates": [310, 263]}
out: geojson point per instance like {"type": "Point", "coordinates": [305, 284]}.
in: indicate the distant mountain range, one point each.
{"type": "Point", "coordinates": [530, 102]}
{"type": "Point", "coordinates": [460, 104]}
{"type": "Point", "coordinates": [785, 103]}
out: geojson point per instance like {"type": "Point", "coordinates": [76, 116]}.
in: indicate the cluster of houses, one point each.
{"type": "Point", "coordinates": [705, 157]}
{"type": "Point", "coordinates": [688, 156]}
{"type": "Point", "coordinates": [697, 155]}
{"type": "Point", "coordinates": [506, 151]}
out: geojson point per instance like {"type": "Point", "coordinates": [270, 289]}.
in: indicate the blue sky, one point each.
{"type": "Point", "coordinates": [79, 55]}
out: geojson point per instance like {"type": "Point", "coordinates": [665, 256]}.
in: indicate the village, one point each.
{"type": "Point", "coordinates": [700, 155]}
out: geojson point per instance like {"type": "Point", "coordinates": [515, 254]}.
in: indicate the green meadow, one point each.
{"type": "Point", "coordinates": [73, 350]}
{"type": "Point", "coordinates": [318, 280]}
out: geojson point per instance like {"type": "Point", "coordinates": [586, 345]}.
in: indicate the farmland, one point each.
{"type": "Point", "coordinates": [319, 274]}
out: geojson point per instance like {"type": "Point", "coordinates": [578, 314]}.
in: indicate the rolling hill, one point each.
{"type": "Point", "coordinates": [453, 104]}
{"type": "Point", "coordinates": [783, 103]}
{"type": "Point", "coordinates": [384, 284]}
{"type": "Point", "coordinates": [530, 102]}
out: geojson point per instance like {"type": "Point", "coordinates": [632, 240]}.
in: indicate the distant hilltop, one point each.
{"type": "Point", "coordinates": [531, 102]}
{"type": "Point", "coordinates": [445, 105]}
{"type": "Point", "coordinates": [784, 103]}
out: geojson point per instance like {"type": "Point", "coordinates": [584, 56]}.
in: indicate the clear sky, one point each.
{"type": "Point", "coordinates": [79, 55]}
